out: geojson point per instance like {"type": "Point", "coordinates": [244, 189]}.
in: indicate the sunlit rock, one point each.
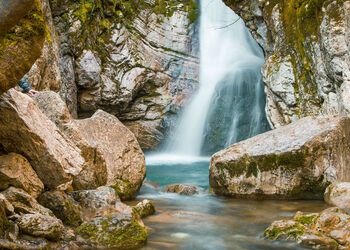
{"type": "Point", "coordinates": [24, 129]}
{"type": "Point", "coordinates": [292, 162]}
{"type": "Point", "coordinates": [338, 194]}
{"type": "Point", "coordinates": [16, 171]}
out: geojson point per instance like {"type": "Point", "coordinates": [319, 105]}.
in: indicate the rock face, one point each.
{"type": "Point", "coordinates": [22, 34]}
{"type": "Point", "coordinates": [307, 70]}
{"type": "Point", "coordinates": [326, 230]}
{"type": "Point", "coordinates": [338, 194]}
{"type": "Point", "coordinates": [54, 157]}
{"type": "Point", "coordinates": [292, 162]}
{"type": "Point", "coordinates": [139, 65]}
{"type": "Point", "coordinates": [125, 162]}
{"type": "Point", "coordinates": [16, 171]}
{"type": "Point", "coordinates": [182, 189]}
{"type": "Point", "coordinates": [3, 218]}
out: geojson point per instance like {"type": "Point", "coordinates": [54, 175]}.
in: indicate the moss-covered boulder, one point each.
{"type": "Point", "coordinates": [326, 230]}
{"type": "Point", "coordinates": [297, 161]}
{"type": "Point", "coordinates": [121, 230]}
{"type": "Point", "coordinates": [22, 35]}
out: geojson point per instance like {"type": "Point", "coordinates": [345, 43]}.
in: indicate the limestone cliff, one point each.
{"type": "Point", "coordinates": [306, 42]}
{"type": "Point", "coordinates": [134, 59]}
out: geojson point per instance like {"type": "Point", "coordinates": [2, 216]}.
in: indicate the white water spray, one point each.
{"type": "Point", "coordinates": [229, 105]}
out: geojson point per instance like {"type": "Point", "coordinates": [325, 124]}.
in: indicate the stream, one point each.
{"type": "Point", "coordinates": [205, 221]}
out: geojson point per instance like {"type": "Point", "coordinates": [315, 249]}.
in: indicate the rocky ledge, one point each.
{"type": "Point", "coordinates": [297, 161]}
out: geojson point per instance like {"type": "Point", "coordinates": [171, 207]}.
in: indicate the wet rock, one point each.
{"type": "Point", "coordinates": [182, 189]}
{"type": "Point", "coordinates": [16, 171]}
{"type": "Point", "coordinates": [23, 202]}
{"type": "Point", "coordinates": [124, 158]}
{"type": "Point", "coordinates": [292, 162]}
{"type": "Point", "coordinates": [145, 208]}
{"type": "Point", "coordinates": [39, 225]}
{"type": "Point", "coordinates": [63, 206]}
{"type": "Point", "coordinates": [51, 104]}
{"type": "Point", "coordinates": [329, 229]}
{"type": "Point", "coordinates": [24, 129]}
{"type": "Point", "coordinates": [102, 197]}
{"type": "Point", "coordinates": [338, 194]}
{"type": "Point", "coordinates": [123, 230]}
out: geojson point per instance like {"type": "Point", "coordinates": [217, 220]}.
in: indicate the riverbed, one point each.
{"type": "Point", "coordinates": [206, 221]}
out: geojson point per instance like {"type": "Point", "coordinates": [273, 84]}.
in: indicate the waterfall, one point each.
{"type": "Point", "coordinates": [229, 105]}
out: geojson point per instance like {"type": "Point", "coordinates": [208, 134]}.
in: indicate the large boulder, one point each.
{"type": "Point", "coordinates": [125, 161]}
{"type": "Point", "coordinates": [16, 171]}
{"type": "Point", "coordinates": [94, 172]}
{"type": "Point", "coordinates": [63, 206]}
{"type": "Point", "coordinates": [22, 35]}
{"type": "Point", "coordinates": [292, 162]}
{"type": "Point", "coordinates": [121, 230]}
{"type": "Point", "coordinates": [100, 198]}
{"type": "Point", "coordinates": [24, 129]}
{"type": "Point", "coordinates": [338, 194]}
{"type": "Point", "coordinates": [39, 225]}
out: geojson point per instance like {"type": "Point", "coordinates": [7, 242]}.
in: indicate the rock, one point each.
{"type": "Point", "coordinates": [123, 156]}
{"type": "Point", "coordinates": [16, 171]}
{"type": "Point", "coordinates": [21, 37]}
{"type": "Point", "coordinates": [9, 209]}
{"type": "Point", "coordinates": [102, 197]}
{"type": "Point", "coordinates": [23, 202]}
{"type": "Point", "coordinates": [51, 104]}
{"type": "Point", "coordinates": [24, 129]}
{"type": "Point", "coordinates": [338, 194]}
{"type": "Point", "coordinates": [39, 225]}
{"type": "Point", "coordinates": [137, 74]}
{"type": "Point", "coordinates": [145, 208]}
{"type": "Point", "coordinates": [182, 189]}
{"type": "Point", "coordinates": [63, 206]}
{"type": "Point", "coordinates": [307, 66]}
{"type": "Point", "coordinates": [329, 229]}
{"type": "Point", "coordinates": [123, 230]}
{"type": "Point", "coordinates": [3, 218]}
{"type": "Point", "coordinates": [297, 161]}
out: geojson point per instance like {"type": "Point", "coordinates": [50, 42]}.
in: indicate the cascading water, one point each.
{"type": "Point", "coordinates": [229, 105]}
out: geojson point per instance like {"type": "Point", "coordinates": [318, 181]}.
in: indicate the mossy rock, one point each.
{"type": "Point", "coordinates": [285, 230]}
{"type": "Point", "coordinates": [21, 44]}
{"type": "Point", "coordinates": [120, 231]}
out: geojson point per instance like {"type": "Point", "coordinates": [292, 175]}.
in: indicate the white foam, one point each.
{"type": "Point", "coordinates": [172, 159]}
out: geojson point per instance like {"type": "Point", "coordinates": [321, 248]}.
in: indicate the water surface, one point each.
{"type": "Point", "coordinates": [205, 221]}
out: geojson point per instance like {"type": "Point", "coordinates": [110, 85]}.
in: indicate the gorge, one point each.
{"type": "Point", "coordinates": [209, 124]}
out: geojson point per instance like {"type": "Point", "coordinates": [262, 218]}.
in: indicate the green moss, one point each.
{"type": "Point", "coordinates": [108, 234]}
{"type": "Point", "coordinates": [306, 219]}
{"type": "Point", "coordinates": [125, 189]}
{"type": "Point", "coordinates": [287, 232]}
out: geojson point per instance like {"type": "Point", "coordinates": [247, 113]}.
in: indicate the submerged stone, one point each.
{"type": "Point", "coordinates": [297, 161]}
{"type": "Point", "coordinates": [182, 189]}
